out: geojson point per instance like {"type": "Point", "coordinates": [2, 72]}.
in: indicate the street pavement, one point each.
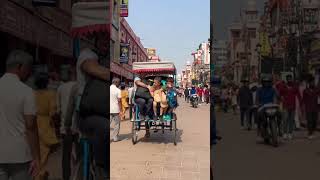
{"type": "Point", "coordinates": [156, 158]}
{"type": "Point", "coordinates": [241, 156]}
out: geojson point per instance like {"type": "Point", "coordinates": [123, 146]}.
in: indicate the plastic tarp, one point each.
{"type": "Point", "coordinates": [89, 17]}
{"type": "Point", "coordinates": [154, 67]}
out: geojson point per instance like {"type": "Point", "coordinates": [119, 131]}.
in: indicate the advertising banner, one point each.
{"type": "Point", "coordinates": [151, 52]}
{"type": "Point", "coordinates": [124, 53]}
{"type": "Point", "coordinates": [124, 8]}
{"type": "Point", "coordinates": [265, 45]}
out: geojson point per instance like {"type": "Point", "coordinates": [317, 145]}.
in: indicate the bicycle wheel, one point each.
{"type": "Point", "coordinates": [134, 132]}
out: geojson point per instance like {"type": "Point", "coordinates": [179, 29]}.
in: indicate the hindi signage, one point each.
{"type": "Point", "coordinates": [124, 10]}
{"type": "Point", "coordinates": [124, 53]}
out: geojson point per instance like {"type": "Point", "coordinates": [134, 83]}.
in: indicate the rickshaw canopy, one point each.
{"type": "Point", "coordinates": [154, 68]}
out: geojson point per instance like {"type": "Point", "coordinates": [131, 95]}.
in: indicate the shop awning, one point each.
{"type": "Point", "coordinates": [89, 17]}
{"type": "Point", "coordinates": [154, 67]}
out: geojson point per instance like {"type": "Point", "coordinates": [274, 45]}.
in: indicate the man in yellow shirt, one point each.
{"type": "Point", "coordinates": [159, 98]}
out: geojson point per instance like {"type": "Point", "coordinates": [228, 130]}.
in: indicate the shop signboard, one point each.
{"type": "Point", "coordinates": [124, 8]}
{"type": "Point", "coordinates": [124, 53]}
{"type": "Point", "coordinates": [151, 52]}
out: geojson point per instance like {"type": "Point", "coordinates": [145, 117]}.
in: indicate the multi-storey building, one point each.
{"type": "Point", "coordinates": [187, 75]}
{"type": "Point", "coordinates": [220, 58]}
{"type": "Point", "coordinates": [152, 55]}
{"type": "Point", "coordinates": [243, 38]}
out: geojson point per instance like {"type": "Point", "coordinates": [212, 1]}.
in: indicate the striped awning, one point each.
{"type": "Point", "coordinates": [89, 17]}
{"type": "Point", "coordinates": [154, 67]}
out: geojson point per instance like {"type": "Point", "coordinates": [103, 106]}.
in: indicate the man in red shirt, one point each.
{"type": "Point", "coordinates": [200, 93]}
{"type": "Point", "coordinates": [310, 102]}
{"type": "Point", "coordinates": [288, 95]}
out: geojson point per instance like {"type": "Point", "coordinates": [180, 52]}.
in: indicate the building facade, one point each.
{"type": "Point", "coordinates": [152, 55]}
{"type": "Point", "coordinates": [243, 38]}
{"type": "Point", "coordinates": [201, 64]}
{"type": "Point", "coordinates": [220, 56]}
{"type": "Point", "coordinates": [41, 31]}
{"type": "Point", "coordinates": [136, 53]}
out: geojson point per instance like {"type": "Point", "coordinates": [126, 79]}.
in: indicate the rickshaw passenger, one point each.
{"type": "Point", "coordinates": [143, 100]}
{"type": "Point", "coordinates": [159, 98]}
{"type": "Point", "coordinates": [171, 96]}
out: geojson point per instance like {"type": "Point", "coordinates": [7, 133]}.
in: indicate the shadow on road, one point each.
{"type": "Point", "coordinates": [159, 138]}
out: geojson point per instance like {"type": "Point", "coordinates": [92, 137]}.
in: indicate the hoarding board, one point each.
{"type": "Point", "coordinates": [124, 8]}
{"type": "Point", "coordinates": [124, 53]}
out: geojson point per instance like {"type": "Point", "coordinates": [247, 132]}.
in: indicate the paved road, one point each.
{"type": "Point", "coordinates": [157, 158]}
{"type": "Point", "coordinates": [238, 156]}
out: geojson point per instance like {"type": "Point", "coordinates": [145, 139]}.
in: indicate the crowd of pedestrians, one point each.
{"type": "Point", "coordinates": [36, 121]}
{"type": "Point", "coordinates": [298, 101]}
{"type": "Point", "coordinates": [203, 93]}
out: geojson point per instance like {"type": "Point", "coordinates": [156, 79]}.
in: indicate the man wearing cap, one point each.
{"type": "Point", "coordinates": [265, 95]}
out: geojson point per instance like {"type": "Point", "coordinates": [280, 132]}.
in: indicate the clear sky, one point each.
{"type": "Point", "coordinates": [174, 27]}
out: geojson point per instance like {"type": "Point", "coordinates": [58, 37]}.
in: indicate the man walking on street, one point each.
{"type": "Point", "coordinates": [288, 96]}
{"type": "Point", "coordinates": [20, 150]}
{"type": "Point", "coordinates": [130, 91]}
{"type": "Point", "coordinates": [115, 107]}
{"type": "Point", "coordinates": [310, 102]}
{"type": "Point", "coordinates": [245, 103]}
{"type": "Point", "coordinates": [66, 103]}
{"type": "Point", "coordinates": [186, 94]}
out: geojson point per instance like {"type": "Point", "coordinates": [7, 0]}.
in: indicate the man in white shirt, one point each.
{"type": "Point", "coordinates": [131, 91]}
{"type": "Point", "coordinates": [115, 106]}
{"type": "Point", "coordinates": [88, 67]}
{"type": "Point", "coordinates": [19, 152]}
{"type": "Point", "coordinates": [66, 99]}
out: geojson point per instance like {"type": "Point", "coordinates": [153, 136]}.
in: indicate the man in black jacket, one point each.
{"type": "Point", "coordinates": [245, 102]}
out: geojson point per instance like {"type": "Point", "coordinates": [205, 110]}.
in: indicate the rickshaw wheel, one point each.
{"type": "Point", "coordinates": [174, 126]}
{"type": "Point", "coordinates": [174, 131]}
{"type": "Point", "coordinates": [134, 133]}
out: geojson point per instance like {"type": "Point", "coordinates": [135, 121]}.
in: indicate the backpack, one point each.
{"type": "Point", "coordinates": [172, 98]}
{"type": "Point", "coordinates": [95, 97]}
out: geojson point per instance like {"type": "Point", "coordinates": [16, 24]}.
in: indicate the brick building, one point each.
{"type": "Point", "coordinates": [137, 53]}
{"type": "Point", "coordinates": [41, 31]}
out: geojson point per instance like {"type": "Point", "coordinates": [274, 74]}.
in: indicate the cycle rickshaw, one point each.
{"type": "Point", "coordinates": [151, 70]}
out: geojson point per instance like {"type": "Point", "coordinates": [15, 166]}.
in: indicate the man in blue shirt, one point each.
{"type": "Point", "coordinates": [265, 95]}
{"type": "Point", "coordinates": [193, 90]}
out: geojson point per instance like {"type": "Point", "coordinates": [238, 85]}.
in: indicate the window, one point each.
{"type": "Point", "coordinates": [252, 33]}
{"type": "Point", "coordinates": [236, 34]}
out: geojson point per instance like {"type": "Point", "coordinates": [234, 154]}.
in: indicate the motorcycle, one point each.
{"type": "Point", "coordinates": [194, 99]}
{"type": "Point", "coordinates": [270, 130]}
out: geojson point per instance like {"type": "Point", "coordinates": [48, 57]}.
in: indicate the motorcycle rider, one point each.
{"type": "Point", "coordinates": [194, 92]}
{"type": "Point", "coordinates": [265, 95]}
